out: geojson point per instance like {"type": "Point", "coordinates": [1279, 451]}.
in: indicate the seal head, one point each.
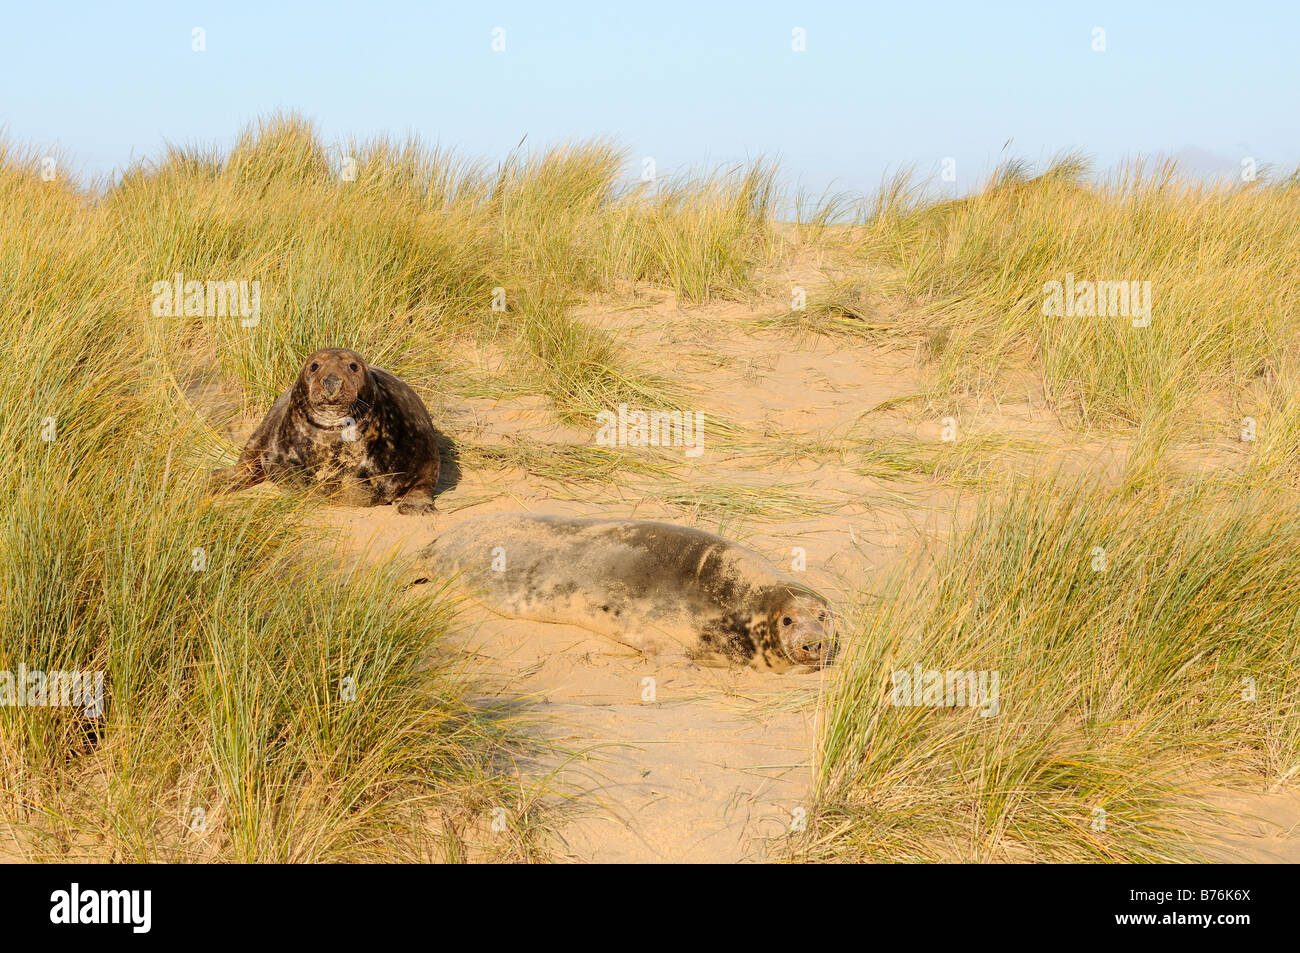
{"type": "Point", "coordinates": [334, 387]}
{"type": "Point", "coordinates": [805, 627]}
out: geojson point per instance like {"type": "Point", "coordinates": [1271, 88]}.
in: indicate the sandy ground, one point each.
{"type": "Point", "coordinates": [652, 758]}
{"type": "Point", "coordinates": [659, 759]}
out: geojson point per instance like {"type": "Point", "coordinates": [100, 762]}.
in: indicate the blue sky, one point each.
{"type": "Point", "coordinates": [880, 84]}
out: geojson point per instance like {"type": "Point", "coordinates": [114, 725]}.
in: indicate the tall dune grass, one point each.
{"type": "Point", "coordinates": [227, 731]}
{"type": "Point", "coordinates": [1220, 260]}
{"type": "Point", "coordinates": [404, 251]}
{"type": "Point", "coordinates": [1145, 647]}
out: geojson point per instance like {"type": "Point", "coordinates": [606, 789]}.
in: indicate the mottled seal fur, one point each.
{"type": "Point", "coordinates": [351, 430]}
{"type": "Point", "coordinates": [654, 586]}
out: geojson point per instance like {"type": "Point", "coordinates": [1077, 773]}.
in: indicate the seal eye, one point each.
{"type": "Point", "coordinates": [315, 367]}
{"type": "Point", "coordinates": [787, 621]}
{"type": "Point", "coordinates": [352, 368]}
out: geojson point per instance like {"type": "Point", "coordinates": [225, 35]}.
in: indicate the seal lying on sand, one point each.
{"type": "Point", "coordinates": [354, 431]}
{"type": "Point", "coordinates": [653, 586]}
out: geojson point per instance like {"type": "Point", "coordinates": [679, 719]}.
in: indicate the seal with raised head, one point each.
{"type": "Point", "coordinates": [654, 586]}
{"type": "Point", "coordinates": [354, 431]}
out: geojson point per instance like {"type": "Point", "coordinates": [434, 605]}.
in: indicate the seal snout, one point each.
{"type": "Point", "coordinates": [813, 653]}
{"type": "Point", "coordinates": [332, 385]}
{"type": "Point", "coordinates": [815, 650]}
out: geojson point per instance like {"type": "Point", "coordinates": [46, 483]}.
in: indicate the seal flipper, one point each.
{"type": "Point", "coordinates": [248, 469]}
{"type": "Point", "coordinates": [233, 479]}
{"type": "Point", "coordinates": [418, 501]}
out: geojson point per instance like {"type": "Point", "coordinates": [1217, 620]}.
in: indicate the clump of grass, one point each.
{"type": "Point", "coordinates": [1143, 646]}
{"type": "Point", "coordinates": [703, 236]}
{"type": "Point", "coordinates": [1270, 413]}
{"type": "Point", "coordinates": [975, 460]}
{"type": "Point", "coordinates": [280, 148]}
{"type": "Point", "coordinates": [741, 502]}
{"type": "Point", "coordinates": [334, 267]}
{"type": "Point", "coordinates": [567, 463]}
{"type": "Point", "coordinates": [582, 368]}
{"type": "Point", "coordinates": [841, 308]}
{"type": "Point", "coordinates": [815, 220]}
{"type": "Point", "coordinates": [1220, 260]}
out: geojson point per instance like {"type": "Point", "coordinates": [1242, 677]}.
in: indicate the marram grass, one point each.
{"type": "Point", "coordinates": [1145, 648]}
{"type": "Point", "coordinates": [1219, 260]}
{"type": "Point", "coordinates": [261, 708]}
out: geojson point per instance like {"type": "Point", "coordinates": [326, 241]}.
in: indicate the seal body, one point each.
{"type": "Point", "coordinates": [654, 586]}
{"type": "Point", "coordinates": [348, 429]}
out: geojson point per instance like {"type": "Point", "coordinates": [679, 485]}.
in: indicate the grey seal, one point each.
{"type": "Point", "coordinates": [654, 586]}
{"type": "Point", "coordinates": [349, 429]}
